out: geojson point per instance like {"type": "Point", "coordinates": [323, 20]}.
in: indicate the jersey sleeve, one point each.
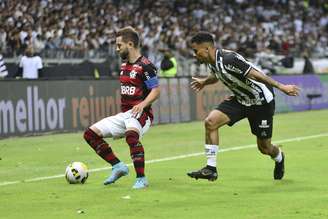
{"type": "Point", "coordinates": [212, 71]}
{"type": "Point", "coordinates": [150, 76]}
{"type": "Point", "coordinates": [236, 63]}
{"type": "Point", "coordinates": [39, 63]}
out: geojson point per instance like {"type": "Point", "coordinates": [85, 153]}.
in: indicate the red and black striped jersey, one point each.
{"type": "Point", "coordinates": [137, 80]}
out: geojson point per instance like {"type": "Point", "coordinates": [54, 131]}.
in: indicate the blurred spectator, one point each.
{"type": "Point", "coordinates": [252, 26]}
{"type": "Point", "coordinates": [3, 69]}
{"type": "Point", "coordinates": [308, 66]}
{"type": "Point", "coordinates": [30, 65]}
{"type": "Point", "coordinates": [38, 44]}
{"type": "Point", "coordinates": [3, 40]}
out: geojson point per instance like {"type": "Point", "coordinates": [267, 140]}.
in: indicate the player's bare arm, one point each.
{"type": "Point", "coordinates": [289, 89]}
{"type": "Point", "coordinates": [152, 96]}
{"type": "Point", "coordinates": [198, 83]}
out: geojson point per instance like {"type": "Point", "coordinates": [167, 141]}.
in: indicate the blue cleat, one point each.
{"type": "Point", "coordinates": [140, 183]}
{"type": "Point", "coordinates": [118, 170]}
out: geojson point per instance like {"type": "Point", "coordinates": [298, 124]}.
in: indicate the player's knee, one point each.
{"type": "Point", "coordinates": [88, 135]}
{"type": "Point", "coordinates": [92, 139]}
{"type": "Point", "coordinates": [136, 149]}
{"type": "Point", "coordinates": [264, 148]}
{"type": "Point", "coordinates": [132, 138]}
{"type": "Point", "coordinates": [209, 123]}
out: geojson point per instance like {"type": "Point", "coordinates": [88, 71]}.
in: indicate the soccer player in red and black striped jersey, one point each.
{"type": "Point", "coordinates": [139, 89]}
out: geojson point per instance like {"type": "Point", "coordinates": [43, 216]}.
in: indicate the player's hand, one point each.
{"type": "Point", "coordinates": [290, 90]}
{"type": "Point", "coordinates": [137, 110]}
{"type": "Point", "coordinates": [197, 84]}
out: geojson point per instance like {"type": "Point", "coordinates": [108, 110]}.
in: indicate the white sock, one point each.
{"type": "Point", "coordinates": [278, 158]}
{"type": "Point", "coordinates": [211, 152]}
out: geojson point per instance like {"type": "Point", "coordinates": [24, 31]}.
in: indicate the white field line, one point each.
{"type": "Point", "coordinates": [170, 158]}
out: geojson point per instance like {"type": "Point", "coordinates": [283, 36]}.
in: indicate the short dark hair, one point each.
{"type": "Point", "coordinates": [129, 34]}
{"type": "Point", "coordinates": [202, 37]}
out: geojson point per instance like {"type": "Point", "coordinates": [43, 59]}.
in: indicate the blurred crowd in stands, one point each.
{"type": "Point", "coordinates": [77, 27]}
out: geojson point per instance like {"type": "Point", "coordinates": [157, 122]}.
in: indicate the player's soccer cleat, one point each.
{"type": "Point", "coordinates": [140, 183]}
{"type": "Point", "coordinates": [204, 173]}
{"type": "Point", "coordinates": [118, 170]}
{"type": "Point", "coordinates": [279, 168]}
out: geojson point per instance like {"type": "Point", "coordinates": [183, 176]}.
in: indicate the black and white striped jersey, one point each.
{"type": "Point", "coordinates": [231, 68]}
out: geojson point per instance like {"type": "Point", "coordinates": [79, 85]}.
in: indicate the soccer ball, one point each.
{"type": "Point", "coordinates": [76, 173]}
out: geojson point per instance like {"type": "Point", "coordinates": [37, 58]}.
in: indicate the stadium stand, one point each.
{"type": "Point", "coordinates": [84, 29]}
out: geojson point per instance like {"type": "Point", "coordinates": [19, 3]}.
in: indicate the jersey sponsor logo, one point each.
{"type": "Point", "coordinates": [233, 68]}
{"type": "Point", "coordinates": [128, 90]}
{"type": "Point", "coordinates": [250, 102]}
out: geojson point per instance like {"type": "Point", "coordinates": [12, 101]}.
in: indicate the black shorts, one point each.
{"type": "Point", "coordinates": [260, 117]}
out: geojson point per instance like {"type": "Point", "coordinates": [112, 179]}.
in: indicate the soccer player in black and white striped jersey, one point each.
{"type": "Point", "coordinates": [252, 98]}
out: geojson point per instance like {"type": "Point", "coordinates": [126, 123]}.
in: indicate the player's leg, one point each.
{"type": "Point", "coordinates": [108, 127]}
{"type": "Point", "coordinates": [261, 122]}
{"type": "Point", "coordinates": [228, 112]}
{"type": "Point", "coordinates": [135, 129]}
{"type": "Point", "coordinates": [137, 152]}
{"type": "Point", "coordinates": [266, 147]}
{"type": "Point", "coordinates": [94, 138]}
{"type": "Point", "coordinates": [213, 122]}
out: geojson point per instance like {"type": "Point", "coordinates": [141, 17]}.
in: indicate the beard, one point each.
{"type": "Point", "coordinates": [203, 60]}
{"type": "Point", "coordinates": [124, 54]}
{"type": "Point", "coordinates": [200, 61]}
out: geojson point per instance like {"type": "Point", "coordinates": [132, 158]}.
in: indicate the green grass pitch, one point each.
{"type": "Point", "coordinates": [245, 189]}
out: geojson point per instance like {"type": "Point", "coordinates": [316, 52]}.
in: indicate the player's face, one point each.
{"type": "Point", "coordinates": [201, 52]}
{"type": "Point", "coordinates": [122, 48]}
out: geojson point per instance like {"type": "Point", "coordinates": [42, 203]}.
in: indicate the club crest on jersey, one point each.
{"type": "Point", "coordinates": [133, 74]}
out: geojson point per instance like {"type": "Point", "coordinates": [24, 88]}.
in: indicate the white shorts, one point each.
{"type": "Point", "coordinates": [116, 126]}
